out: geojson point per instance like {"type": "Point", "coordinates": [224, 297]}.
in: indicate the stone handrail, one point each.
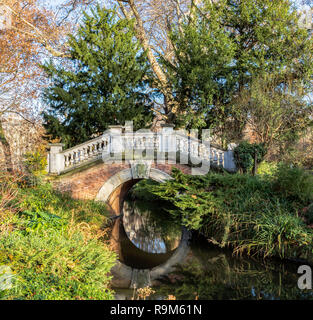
{"type": "Point", "coordinates": [114, 141]}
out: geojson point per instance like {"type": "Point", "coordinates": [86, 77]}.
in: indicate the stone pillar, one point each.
{"type": "Point", "coordinates": [116, 142]}
{"type": "Point", "coordinates": [56, 158]}
{"type": "Point", "coordinates": [128, 127]}
{"type": "Point", "coordinates": [229, 161]}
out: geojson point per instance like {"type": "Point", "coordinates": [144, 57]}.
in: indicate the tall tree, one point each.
{"type": "Point", "coordinates": [103, 83]}
{"type": "Point", "coordinates": [152, 28]}
{"type": "Point", "coordinates": [230, 44]}
{"type": "Point", "coordinates": [30, 32]}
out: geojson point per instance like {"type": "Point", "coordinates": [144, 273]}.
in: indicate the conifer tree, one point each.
{"type": "Point", "coordinates": [228, 48]}
{"type": "Point", "coordinates": [102, 83]}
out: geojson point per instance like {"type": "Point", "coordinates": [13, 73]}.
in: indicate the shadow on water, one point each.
{"type": "Point", "coordinates": [147, 238]}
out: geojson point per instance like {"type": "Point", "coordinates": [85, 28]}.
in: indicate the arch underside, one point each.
{"type": "Point", "coordinates": [114, 190]}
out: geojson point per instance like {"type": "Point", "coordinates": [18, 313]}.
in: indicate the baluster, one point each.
{"type": "Point", "coordinates": [72, 159]}
{"type": "Point", "coordinates": [144, 143]}
{"type": "Point", "coordinates": [93, 150]}
{"type": "Point", "coordinates": [98, 151]}
{"type": "Point", "coordinates": [66, 159]}
{"type": "Point", "coordinates": [215, 157]}
{"type": "Point", "coordinates": [223, 159]}
{"type": "Point", "coordinates": [78, 155]}
{"type": "Point", "coordinates": [211, 156]}
{"type": "Point", "coordinates": [105, 147]}
{"type": "Point", "coordinates": [82, 154]}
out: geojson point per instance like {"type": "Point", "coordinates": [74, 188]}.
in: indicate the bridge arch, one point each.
{"type": "Point", "coordinates": [116, 187]}
{"type": "Point", "coordinates": [113, 192]}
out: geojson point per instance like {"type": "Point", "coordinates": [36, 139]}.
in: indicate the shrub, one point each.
{"type": "Point", "coordinates": [54, 265]}
{"type": "Point", "coordinates": [43, 198]}
{"type": "Point", "coordinates": [242, 211]}
{"type": "Point", "coordinates": [35, 163]}
{"type": "Point", "coordinates": [38, 221]}
{"type": "Point", "coordinates": [244, 155]}
{"type": "Point", "coordinates": [267, 168]}
{"type": "Point", "coordinates": [309, 214]}
{"type": "Point", "coordinates": [293, 183]}
{"type": "Point", "coordinates": [54, 244]}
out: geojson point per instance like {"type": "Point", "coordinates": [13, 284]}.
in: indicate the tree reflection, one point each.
{"type": "Point", "coordinates": [149, 227]}
{"type": "Point", "coordinates": [214, 274]}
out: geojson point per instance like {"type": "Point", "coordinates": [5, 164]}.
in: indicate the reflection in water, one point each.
{"type": "Point", "coordinates": [149, 229]}
{"type": "Point", "coordinates": [213, 273]}
{"type": "Point", "coordinates": [207, 272]}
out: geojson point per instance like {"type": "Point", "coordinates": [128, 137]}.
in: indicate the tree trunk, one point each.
{"type": "Point", "coordinates": [255, 166]}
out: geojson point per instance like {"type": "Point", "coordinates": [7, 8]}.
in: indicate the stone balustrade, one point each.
{"type": "Point", "coordinates": [116, 142]}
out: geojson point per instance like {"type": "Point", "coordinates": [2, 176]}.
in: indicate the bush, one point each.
{"type": "Point", "coordinates": [242, 211]}
{"type": "Point", "coordinates": [58, 266]}
{"type": "Point", "coordinates": [55, 245]}
{"type": "Point", "coordinates": [309, 214]}
{"type": "Point", "coordinates": [35, 164]}
{"type": "Point", "coordinates": [244, 155]}
{"type": "Point", "coordinates": [267, 168]}
{"type": "Point", "coordinates": [293, 183]}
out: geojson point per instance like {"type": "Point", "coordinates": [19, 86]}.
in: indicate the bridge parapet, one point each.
{"type": "Point", "coordinates": [120, 143]}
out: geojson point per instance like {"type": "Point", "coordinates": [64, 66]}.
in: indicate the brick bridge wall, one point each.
{"type": "Point", "coordinates": [85, 183]}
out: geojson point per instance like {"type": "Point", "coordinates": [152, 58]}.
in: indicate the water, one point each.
{"type": "Point", "coordinates": [148, 238]}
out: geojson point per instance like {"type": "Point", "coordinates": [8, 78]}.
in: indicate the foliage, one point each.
{"type": "Point", "coordinates": [256, 215]}
{"type": "Point", "coordinates": [141, 190]}
{"type": "Point", "coordinates": [293, 183]}
{"type": "Point", "coordinates": [204, 52]}
{"type": "Point", "coordinates": [223, 58]}
{"type": "Point", "coordinates": [39, 221]}
{"type": "Point", "coordinates": [102, 83]}
{"type": "Point", "coordinates": [309, 214]}
{"type": "Point", "coordinates": [244, 155]}
{"type": "Point", "coordinates": [44, 198]}
{"type": "Point", "coordinates": [267, 168]}
{"type": "Point", "coordinates": [56, 265]}
{"type": "Point", "coordinates": [143, 293]}
{"type": "Point", "coordinates": [55, 245]}
{"type": "Point", "coordinates": [35, 163]}
{"type": "Point", "coordinates": [278, 116]}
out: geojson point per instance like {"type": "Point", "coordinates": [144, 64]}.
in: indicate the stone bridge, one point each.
{"type": "Point", "coordinates": [106, 167]}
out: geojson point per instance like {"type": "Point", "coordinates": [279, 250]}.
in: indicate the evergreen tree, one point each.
{"type": "Point", "coordinates": [102, 82]}
{"type": "Point", "coordinates": [229, 46]}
